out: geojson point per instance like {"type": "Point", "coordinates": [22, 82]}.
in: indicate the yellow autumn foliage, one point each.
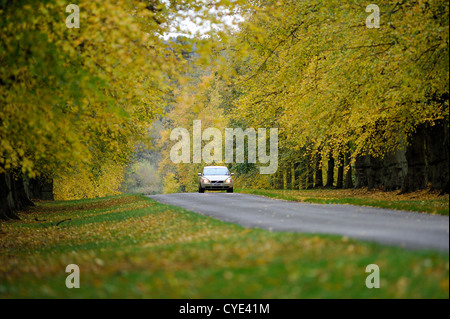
{"type": "Point", "coordinates": [86, 184]}
{"type": "Point", "coordinates": [82, 97]}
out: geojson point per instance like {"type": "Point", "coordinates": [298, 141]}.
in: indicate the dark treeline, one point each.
{"type": "Point", "coordinates": [17, 193]}
{"type": "Point", "coordinates": [422, 162]}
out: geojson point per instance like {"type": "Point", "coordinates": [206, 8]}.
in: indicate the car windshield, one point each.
{"type": "Point", "coordinates": [215, 171]}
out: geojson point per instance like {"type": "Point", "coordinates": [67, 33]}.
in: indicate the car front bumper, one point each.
{"type": "Point", "coordinates": [216, 186]}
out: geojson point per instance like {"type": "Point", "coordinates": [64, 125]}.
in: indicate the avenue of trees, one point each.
{"type": "Point", "coordinates": [75, 102]}
{"type": "Point", "coordinates": [354, 106]}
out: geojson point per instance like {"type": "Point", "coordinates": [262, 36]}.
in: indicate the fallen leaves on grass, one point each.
{"type": "Point", "coordinates": [133, 246]}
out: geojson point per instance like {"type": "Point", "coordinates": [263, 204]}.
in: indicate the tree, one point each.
{"type": "Point", "coordinates": [315, 71]}
{"type": "Point", "coordinates": [75, 101]}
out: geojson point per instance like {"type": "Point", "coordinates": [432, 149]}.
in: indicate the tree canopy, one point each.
{"type": "Point", "coordinates": [77, 102]}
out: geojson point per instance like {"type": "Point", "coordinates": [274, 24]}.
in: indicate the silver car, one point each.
{"type": "Point", "coordinates": [215, 178]}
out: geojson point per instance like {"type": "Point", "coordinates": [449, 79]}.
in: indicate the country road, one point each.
{"type": "Point", "coordinates": [400, 228]}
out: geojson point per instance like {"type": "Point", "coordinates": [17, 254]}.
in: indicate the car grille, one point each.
{"type": "Point", "coordinates": [216, 181]}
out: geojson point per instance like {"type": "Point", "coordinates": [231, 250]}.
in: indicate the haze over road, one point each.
{"type": "Point", "coordinates": [400, 228]}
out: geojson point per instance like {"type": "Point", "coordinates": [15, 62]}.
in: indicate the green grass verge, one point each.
{"type": "Point", "coordinates": [435, 205]}
{"type": "Point", "coordinates": [133, 247]}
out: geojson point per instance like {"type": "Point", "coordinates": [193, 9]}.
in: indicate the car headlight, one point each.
{"type": "Point", "coordinates": [228, 180]}
{"type": "Point", "coordinates": [205, 180]}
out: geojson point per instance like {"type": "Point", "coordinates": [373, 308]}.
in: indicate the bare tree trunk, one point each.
{"type": "Point", "coordinates": [303, 181]}
{"type": "Point", "coordinates": [318, 167]}
{"type": "Point", "coordinates": [7, 207]}
{"type": "Point", "coordinates": [375, 172]}
{"type": "Point", "coordinates": [330, 170]}
{"type": "Point", "coordinates": [302, 177]}
{"type": "Point", "coordinates": [395, 168]}
{"type": "Point", "coordinates": [19, 193]}
{"type": "Point", "coordinates": [278, 180]}
{"type": "Point", "coordinates": [340, 177]}
{"type": "Point", "coordinates": [34, 186]}
{"type": "Point", "coordinates": [437, 151]}
{"type": "Point", "coordinates": [362, 166]}
{"type": "Point", "coordinates": [348, 176]}
{"type": "Point", "coordinates": [47, 190]}
{"type": "Point", "coordinates": [293, 177]}
{"type": "Point", "coordinates": [310, 182]}
{"type": "Point", "coordinates": [416, 178]}
{"type": "Point", "coordinates": [16, 191]}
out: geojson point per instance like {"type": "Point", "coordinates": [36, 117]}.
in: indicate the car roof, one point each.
{"type": "Point", "coordinates": [215, 166]}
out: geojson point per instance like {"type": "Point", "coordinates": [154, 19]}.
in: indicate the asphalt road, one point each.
{"type": "Point", "coordinates": [400, 228]}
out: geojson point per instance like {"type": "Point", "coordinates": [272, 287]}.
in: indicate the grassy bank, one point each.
{"type": "Point", "coordinates": [420, 201]}
{"type": "Point", "coordinates": [133, 247]}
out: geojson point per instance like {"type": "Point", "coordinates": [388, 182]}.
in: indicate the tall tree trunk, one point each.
{"type": "Point", "coordinates": [446, 189]}
{"type": "Point", "coordinates": [302, 183]}
{"type": "Point", "coordinates": [302, 177]}
{"type": "Point", "coordinates": [7, 207]}
{"type": "Point", "coordinates": [416, 177]}
{"type": "Point", "coordinates": [47, 190]}
{"type": "Point", "coordinates": [437, 151]}
{"type": "Point", "coordinates": [330, 170]}
{"type": "Point", "coordinates": [42, 188]}
{"type": "Point", "coordinates": [19, 193]}
{"type": "Point", "coordinates": [299, 169]}
{"type": "Point", "coordinates": [34, 186]}
{"type": "Point", "coordinates": [310, 182]}
{"type": "Point", "coordinates": [318, 167]}
{"type": "Point", "coordinates": [375, 172]}
{"type": "Point", "coordinates": [362, 166]}
{"type": "Point", "coordinates": [348, 176]}
{"type": "Point", "coordinates": [293, 177]}
{"type": "Point", "coordinates": [395, 168]}
{"type": "Point", "coordinates": [278, 182]}
{"type": "Point", "coordinates": [340, 176]}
